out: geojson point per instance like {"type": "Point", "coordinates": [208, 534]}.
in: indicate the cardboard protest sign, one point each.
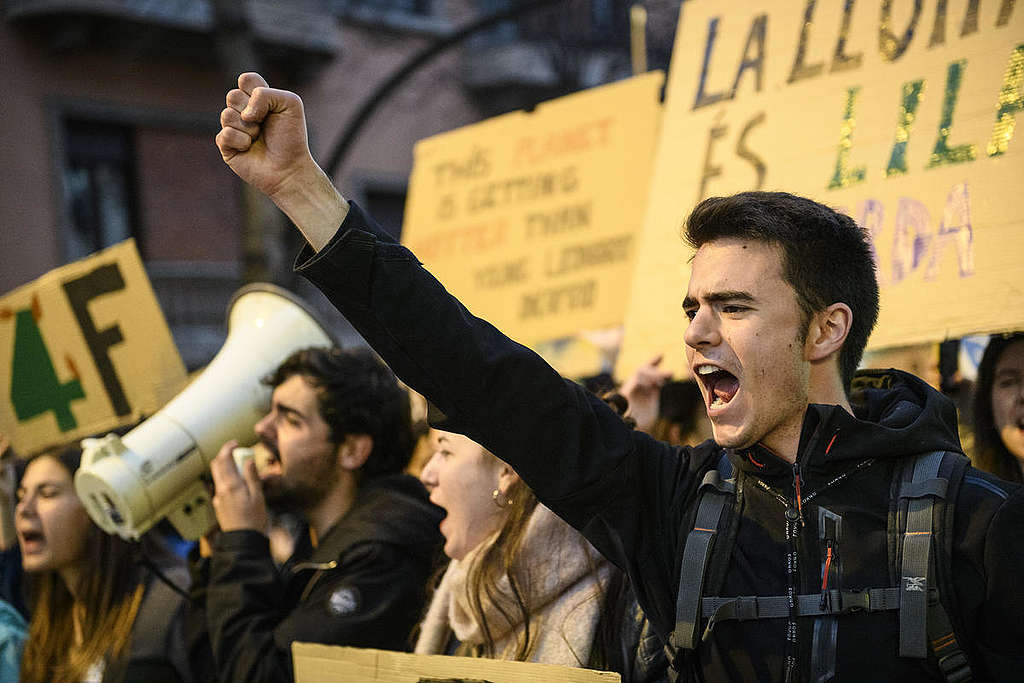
{"type": "Point", "coordinates": [333, 664]}
{"type": "Point", "coordinates": [901, 114]}
{"type": "Point", "coordinates": [85, 349]}
{"type": "Point", "coordinates": [531, 219]}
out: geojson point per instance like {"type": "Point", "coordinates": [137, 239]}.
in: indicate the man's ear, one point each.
{"type": "Point", "coordinates": [354, 450]}
{"type": "Point", "coordinates": [827, 332]}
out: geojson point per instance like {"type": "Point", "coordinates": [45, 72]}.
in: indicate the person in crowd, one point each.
{"type": "Point", "coordinates": [667, 409]}
{"type": "Point", "coordinates": [13, 612]}
{"type": "Point", "coordinates": [522, 584]}
{"type": "Point", "coordinates": [682, 420]}
{"type": "Point", "coordinates": [11, 572]}
{"type": "Point", "coordinates": [799, 583]}
{"type": "Point", "coordinates": [13, 631]}
{"type": "Point", "coordinates": [99, 612]}
{"type": "Point", "coordinates": [999, 408]}
{"type": "Point", "coordinates": [339, 436]}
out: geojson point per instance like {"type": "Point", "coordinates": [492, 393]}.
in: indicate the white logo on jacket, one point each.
{"type": "Point", "coordinates": [343, 601]}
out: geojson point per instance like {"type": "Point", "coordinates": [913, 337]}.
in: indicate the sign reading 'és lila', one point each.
{"type": "Point", "coordinates": [901, 114]}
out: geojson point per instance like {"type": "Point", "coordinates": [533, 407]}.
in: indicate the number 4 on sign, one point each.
{"type": "Point", "coordinates": [35, 387]}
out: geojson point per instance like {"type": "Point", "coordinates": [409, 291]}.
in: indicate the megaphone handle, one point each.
{"type": "Point", "coordinates": [191, 512]}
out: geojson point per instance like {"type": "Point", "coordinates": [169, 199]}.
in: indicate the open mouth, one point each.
{"type": "Point", "coordinates": [268, 460]}
{"type": "Point", "coordinates": [32, 540]}
{"type": "Point", "coordinates": [720, 385]}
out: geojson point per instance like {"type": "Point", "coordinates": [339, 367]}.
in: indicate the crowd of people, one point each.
{"type": "Point", "coordinates": [760, 521]}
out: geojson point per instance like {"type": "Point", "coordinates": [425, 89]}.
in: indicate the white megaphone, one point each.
{"type": "Point", "coordinates": [128, 485]}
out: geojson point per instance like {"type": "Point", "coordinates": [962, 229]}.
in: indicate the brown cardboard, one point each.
{"type": "Point", "coordinates": [84, 349]}
{"type": "Point", "coordinates": [332, 664]}
{"type": "Point", "coordinates": [903, 119]}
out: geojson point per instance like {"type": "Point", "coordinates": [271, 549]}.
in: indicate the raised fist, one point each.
{"type": "Point", "coordinates": [263, 135]}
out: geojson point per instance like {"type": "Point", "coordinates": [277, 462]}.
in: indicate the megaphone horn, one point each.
{"type": "Point", "coordinates": [129, 484]}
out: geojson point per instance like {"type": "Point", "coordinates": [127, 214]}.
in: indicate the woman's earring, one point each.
{"type": "Point", "coordinates": [500, 499]}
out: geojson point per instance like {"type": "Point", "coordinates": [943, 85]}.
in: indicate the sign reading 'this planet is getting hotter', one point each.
{"type": "Point", "coordinates": [531, 219]}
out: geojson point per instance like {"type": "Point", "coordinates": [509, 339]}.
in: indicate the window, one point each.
{"type": "Point", "coordinates": [99, 192]}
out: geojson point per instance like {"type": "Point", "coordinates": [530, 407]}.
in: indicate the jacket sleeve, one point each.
{"type": "Point", "coordinates": [625, 491]}
{"type": "Point", "coordinates": [369, 598]}
{"type": "Point", "coordinates": [244, 602]}
{"type": "Point", "coordinates": [999, 622]}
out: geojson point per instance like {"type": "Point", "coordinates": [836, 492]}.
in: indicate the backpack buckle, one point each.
{"type": "Point", "coordinates": [854, 601]}
{"type": "Point", "coordinates": [955, 667]}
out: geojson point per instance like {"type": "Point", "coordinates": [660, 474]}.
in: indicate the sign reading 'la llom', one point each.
{"type": "Point", "coordinates": [901, 114]}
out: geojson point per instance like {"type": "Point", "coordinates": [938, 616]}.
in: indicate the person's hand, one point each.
{"type": "Point", "coordinates": [643, 391]}
{"type": "Point", "coordinates": [237, 499]}
{"type": "Point", "coordinates": [263, 135]}
{"type": "Point", "coordinates": [263, 139]}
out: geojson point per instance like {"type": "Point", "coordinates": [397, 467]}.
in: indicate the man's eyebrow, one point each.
{"type": "Point", "coordinates": [283, 408]}
{"type": "Point", "coordinates": [719, 297]}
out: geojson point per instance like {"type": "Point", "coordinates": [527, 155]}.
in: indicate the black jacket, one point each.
{"type": "Point", "coordinates": [634, 497]}
{"type": "Point", "coordinates": [363, 585]}
{"type": "Point", "coordinates": [157, 651]}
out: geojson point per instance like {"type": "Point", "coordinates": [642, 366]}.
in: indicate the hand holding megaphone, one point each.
{"type": "Point", "coordinates": [238, 495]}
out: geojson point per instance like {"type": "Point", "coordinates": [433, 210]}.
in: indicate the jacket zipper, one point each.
{"type": "Point", "coordinates": [794, 521]}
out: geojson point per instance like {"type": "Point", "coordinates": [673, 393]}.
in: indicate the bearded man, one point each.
{"type": "Point", "coordinates": [339, 438]}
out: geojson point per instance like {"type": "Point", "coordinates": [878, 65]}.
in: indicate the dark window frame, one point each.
{"type": "Point", "coordinates": [61, 110]}
{"type": "Point", "coordinates": [407, 16]}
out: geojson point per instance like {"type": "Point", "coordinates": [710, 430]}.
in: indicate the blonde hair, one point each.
{"type": "Point", "coordinates": [500, 560]}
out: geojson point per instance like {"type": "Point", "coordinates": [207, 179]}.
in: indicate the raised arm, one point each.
{"type": "Point", "coordinates": [626, 492]}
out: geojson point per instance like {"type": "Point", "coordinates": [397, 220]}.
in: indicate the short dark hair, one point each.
{"type": "Point", "coordinates": [826, 257]}
{"type": "Point", "coordinates": [358, 394]}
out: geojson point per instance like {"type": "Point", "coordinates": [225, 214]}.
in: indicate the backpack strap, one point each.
{"type": "Point", "coordinates": [837, 602]}
{"type": "Point", "coordinates": [714, 492]}
{"type": "Point", "coordinates": [949, 657]}
{"type": "Point", "coordinates": [924, 622]}
{"type": "Point", "coordinates": [923, 486]}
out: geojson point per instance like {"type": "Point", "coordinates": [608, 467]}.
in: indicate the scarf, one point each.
{"type": "Point", "coordinates": [563, 577]}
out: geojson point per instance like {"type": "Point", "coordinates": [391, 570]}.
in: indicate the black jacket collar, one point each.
{"type": "Point", "coordinates": [895, 414]}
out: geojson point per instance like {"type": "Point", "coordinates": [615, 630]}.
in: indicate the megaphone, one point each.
{"type": "Point", "coordinates": [129, 484]}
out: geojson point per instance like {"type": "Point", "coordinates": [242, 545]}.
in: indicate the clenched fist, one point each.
{"type": "Point", "coordinates": [263, 139]}
{"type": "Point", "coordinates": [263, 134]}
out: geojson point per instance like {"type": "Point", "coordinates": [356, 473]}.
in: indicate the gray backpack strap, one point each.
{"type": "Point", "coordinates": [949, 657]}
{"type": "Point", "coordinates": [920, 490]}
{"type": "Point", "coordinates": [714, 493]}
